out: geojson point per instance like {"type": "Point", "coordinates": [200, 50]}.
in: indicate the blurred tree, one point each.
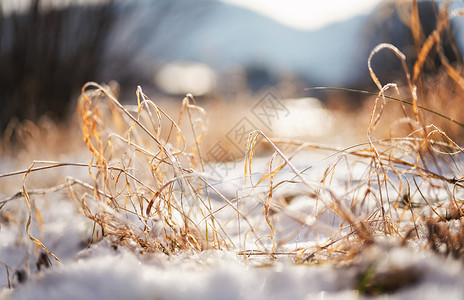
{"type": "Point", "coordinates": [46, 54]}
{"type": "Point", "coordinates": [259, 76]}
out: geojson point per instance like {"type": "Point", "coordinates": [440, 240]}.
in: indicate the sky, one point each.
{"type": "Point", "coordinates": [308, 14]}
{"type": "Point", "coordinates": [300, 14]}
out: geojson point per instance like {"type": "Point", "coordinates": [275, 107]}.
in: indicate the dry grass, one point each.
{"type": "Point", "coordinates": [148, 187]}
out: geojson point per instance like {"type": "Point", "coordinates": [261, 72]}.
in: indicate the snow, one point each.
{"type": "Point", "coordinates": [120, 274]}
{"type": "Point", "coordinates": [106, 271]}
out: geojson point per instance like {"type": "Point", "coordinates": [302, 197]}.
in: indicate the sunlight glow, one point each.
{"type": "Point", "coordinates": [308, 14]}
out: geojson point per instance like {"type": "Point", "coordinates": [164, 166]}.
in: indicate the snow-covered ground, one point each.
{"type": "Point", "coordinates": [106, 271]}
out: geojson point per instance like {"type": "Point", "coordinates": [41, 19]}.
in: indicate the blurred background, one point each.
{"type": "Point", "coordinates": [217, 50]}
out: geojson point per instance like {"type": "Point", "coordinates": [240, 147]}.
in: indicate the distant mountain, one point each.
{"type": "Point", "coordinates": [231, 35]}
{"type": "Point", "coordinates": [223, 35]}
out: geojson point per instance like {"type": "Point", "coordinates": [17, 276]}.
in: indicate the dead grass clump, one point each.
{"type": "Point", "coordinates": [373, 283]}
{"type": "Point", "coordinates": [406, 181]}
{"type": "Point", "coordinates": [44, 139]}
{"type": "Point", "coordinates": [446, 237]}
{"type": "Point", "coordinates": [416, 173]}
{"type": "Point", "coordinates": [442, 94]}
{"type": "Point", "coordinates": [147, 183]}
